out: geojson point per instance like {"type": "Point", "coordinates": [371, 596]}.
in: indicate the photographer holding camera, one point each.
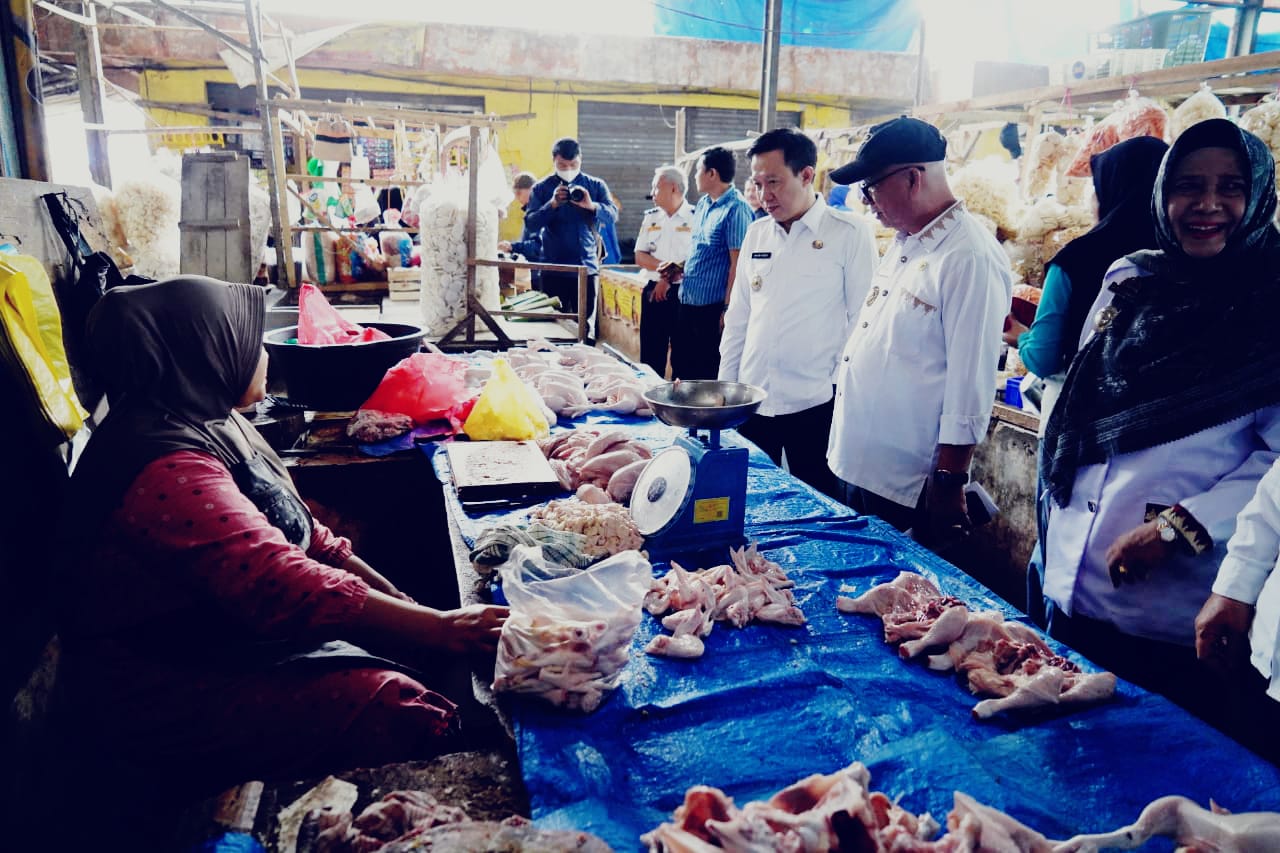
{"type": "Point", "coordinates": [568, 207]}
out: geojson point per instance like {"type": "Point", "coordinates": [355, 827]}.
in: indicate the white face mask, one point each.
{"type": "Point", "coordinates": [567, 174]}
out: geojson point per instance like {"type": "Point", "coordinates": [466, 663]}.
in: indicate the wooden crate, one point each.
{"type": "Point", "coordinates": [403, 283]}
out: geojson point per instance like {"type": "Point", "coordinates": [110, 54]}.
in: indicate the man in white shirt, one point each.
{"type": "Point", "coordinates": [916, 381]}
{"type": "Point", "coordinates": [1238, 628]}
{"type": "Point", "coordinates": [803, 273]}
{"type": "Point", "coordinates": [662, 246]}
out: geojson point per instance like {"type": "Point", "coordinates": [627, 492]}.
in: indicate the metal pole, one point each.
{"type": "Point", "coordinates": [769, 70]}
{"type": "Point", "coordinates": [89, 76]}
{"type": "Point", "coordinates": [274, 161]}
{"type": "Point", "coordinates": [920, 68]}
{"type": "Point", "coordinates": [1245, 30]}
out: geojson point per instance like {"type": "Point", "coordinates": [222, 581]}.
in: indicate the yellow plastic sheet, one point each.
{"type": "Point", "coordinates": [508, 410]}
{"type": "Point", "coordinates": [30, 315]}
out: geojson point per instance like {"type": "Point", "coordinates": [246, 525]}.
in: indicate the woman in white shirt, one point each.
{"type": "Point", "coordinates": [1169, 417]}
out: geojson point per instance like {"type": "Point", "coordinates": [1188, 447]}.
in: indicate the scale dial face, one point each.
{"type": "Point", "coordinates": [662, 490]}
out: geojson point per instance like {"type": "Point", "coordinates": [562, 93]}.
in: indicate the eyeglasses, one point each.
{"type": "Point", "coordinates": [868, 188]}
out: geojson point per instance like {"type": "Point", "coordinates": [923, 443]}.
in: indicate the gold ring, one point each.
{"type": "Point", "coordinates": [1122, 570]}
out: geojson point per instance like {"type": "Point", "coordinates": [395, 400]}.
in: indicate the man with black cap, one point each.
{"type": "Point", "coordinates": [566, 208]}
{"type": "Point", "coordinates": [915, 383]}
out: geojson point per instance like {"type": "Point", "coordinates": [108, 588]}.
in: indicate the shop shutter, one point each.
{"type": "Point", "coordinates": [622, 144]}
{"type": "Point", "coordinates": [713, 126]}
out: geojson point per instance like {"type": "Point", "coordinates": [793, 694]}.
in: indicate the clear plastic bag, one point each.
{"type": "Point", "coordinates": [568, 638]}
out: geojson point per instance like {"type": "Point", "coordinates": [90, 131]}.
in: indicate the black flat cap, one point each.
{"type": "Point", "coordinates": [901, 140]}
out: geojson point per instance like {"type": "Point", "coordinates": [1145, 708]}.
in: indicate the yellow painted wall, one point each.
{"type": "Point", "coordinates": [524, 145]}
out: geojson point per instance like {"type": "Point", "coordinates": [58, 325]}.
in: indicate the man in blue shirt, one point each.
{"type": "Point", "coordinates": [719, 223]}
{"type": "Point", "coordinates": [567, 208]}
{"type": "Point", "coordinates": [530, 243]}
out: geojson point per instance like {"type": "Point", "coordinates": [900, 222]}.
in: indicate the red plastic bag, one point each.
{"type": "Point", "coordinates": [426, 386]}
{"type": "Point", "coordinates": [320, 323]}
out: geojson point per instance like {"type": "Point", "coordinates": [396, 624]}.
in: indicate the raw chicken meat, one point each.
{"type": "Point", "coordinates": [1001, 659]}
{"type": "Point", "coordinates": [836, 812]}
{"type": "Point", "coordinates": [571, 664]}
{"type": "Point", "coordinates": [576, 379]}
{"type": "Point", "coordinates": [370, 425]}
{"type": "Point", "coordinates": [1191, 826]}
{"type": "Point", "coordinates": [413, 820]}
{"type": "Point", "coordinates": [623, 481]}
{"type": "Point", "coordinates": [752, 588]}
{"type": "Point", "coordinates": [590, 455]}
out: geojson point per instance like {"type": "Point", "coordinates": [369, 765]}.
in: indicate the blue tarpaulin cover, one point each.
{"type": "Point", "coordinates": [767, 706]}
{"type": "Point", "coordinates": [838, 24]}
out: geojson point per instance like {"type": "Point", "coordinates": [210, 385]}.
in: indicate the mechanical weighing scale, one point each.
{"type": "Point", "coordinates": [692, 496]}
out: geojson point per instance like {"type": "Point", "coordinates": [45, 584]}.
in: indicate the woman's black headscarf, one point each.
{"type": "Point", "coordinates": [1190, 346]}
{"type": "Point", "coordinates": [1124, 178]}
{"type": "Point", "coordinates": [174, 357]}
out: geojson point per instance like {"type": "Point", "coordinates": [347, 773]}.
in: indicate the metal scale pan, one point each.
{"type": "Point", "coordinates": [692, 496]}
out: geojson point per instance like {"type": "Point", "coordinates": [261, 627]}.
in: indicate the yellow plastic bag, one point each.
{"type": "Point", "coordinates": [508, 410]}
{"type": "Point", "coordinates": [34, 327]}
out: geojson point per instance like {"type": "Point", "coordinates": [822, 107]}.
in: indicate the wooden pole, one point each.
{"type": "Point", "coordinates": [89, 77]}
{"type": "Point", "coordinates": [584, 310]}
{"type": "Point", "coordinates": [275, 155]}
{"type": "Point", "coordinates": [473, 197]}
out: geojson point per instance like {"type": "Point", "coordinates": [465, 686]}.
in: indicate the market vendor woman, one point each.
{"type": "Point", "coordinates": [1169, 417]}
{"type": "Point", "coordinates": [199, 592]}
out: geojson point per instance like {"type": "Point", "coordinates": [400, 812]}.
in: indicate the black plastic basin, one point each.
{"type": "Point", "coordinates": [338, 377]}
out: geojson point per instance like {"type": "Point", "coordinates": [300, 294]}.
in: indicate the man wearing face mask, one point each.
{"type": "Point", "coordinates": [568, 208]}
{"type": "Point", "coordinates": [803, 274]}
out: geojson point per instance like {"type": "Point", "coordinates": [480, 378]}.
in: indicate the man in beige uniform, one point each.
{"type": "Point", "coordinates": [663, 243]}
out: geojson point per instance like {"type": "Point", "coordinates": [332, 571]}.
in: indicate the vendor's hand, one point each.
{"type": "Point", "coordinates": [473, 628]}
{"type": "Point", "coordinates": [1012, 331]}
{"type": "Point", "coordinates": [660, 290]}
{"type": "Point", "coordinates": [947, 513]}
{"type": "Point", "coordinates": [722, 321]}
{"type": "Point", "coordinates": [504, 245]}
{"type": "Point", "coordinates": [1136, 554]}
{"type": "Point", "coordinates": [1222, 632]}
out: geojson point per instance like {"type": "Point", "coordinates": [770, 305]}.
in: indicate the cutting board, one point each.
{"type": "Point", "coordinates": [485, 471]}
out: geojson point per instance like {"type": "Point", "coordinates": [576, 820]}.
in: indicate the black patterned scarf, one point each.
{"type": "Point", "coordinates": [1186, 348]}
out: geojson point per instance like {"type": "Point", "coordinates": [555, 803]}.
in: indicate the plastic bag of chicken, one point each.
{"type": "Point", "coordinates": [568, 638]}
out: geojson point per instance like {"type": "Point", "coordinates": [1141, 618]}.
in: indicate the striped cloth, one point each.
{"type": "Point", "coordinates": [493, 546]}
{"type": "Point", "coordinates": [718, 229]}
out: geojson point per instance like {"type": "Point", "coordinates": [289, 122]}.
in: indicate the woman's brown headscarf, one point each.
{"type": "Point", "coordinates": [174, 357]}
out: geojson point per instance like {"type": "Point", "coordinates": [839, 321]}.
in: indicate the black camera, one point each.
{"type": "Point", "coordinates": [576, 193]}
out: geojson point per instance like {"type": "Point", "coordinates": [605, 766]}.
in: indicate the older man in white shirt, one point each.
{"type": "Point", "coordinates": [803, 273]}
{"type": "Point", "coordinates": [916, 381]}
{"type": "Point", "coordinates": [662, 246]}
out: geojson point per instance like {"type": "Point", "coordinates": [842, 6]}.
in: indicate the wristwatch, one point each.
{"type": "Point", "coordinates": [943, 477]}
{"type": "Point", "coordinates": [1165, 529]}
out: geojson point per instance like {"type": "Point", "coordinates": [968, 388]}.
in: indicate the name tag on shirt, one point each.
{"type": "Point", "coordinates": [761, 256]}
{"type": "Point", "coordinates": [684, 228]}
